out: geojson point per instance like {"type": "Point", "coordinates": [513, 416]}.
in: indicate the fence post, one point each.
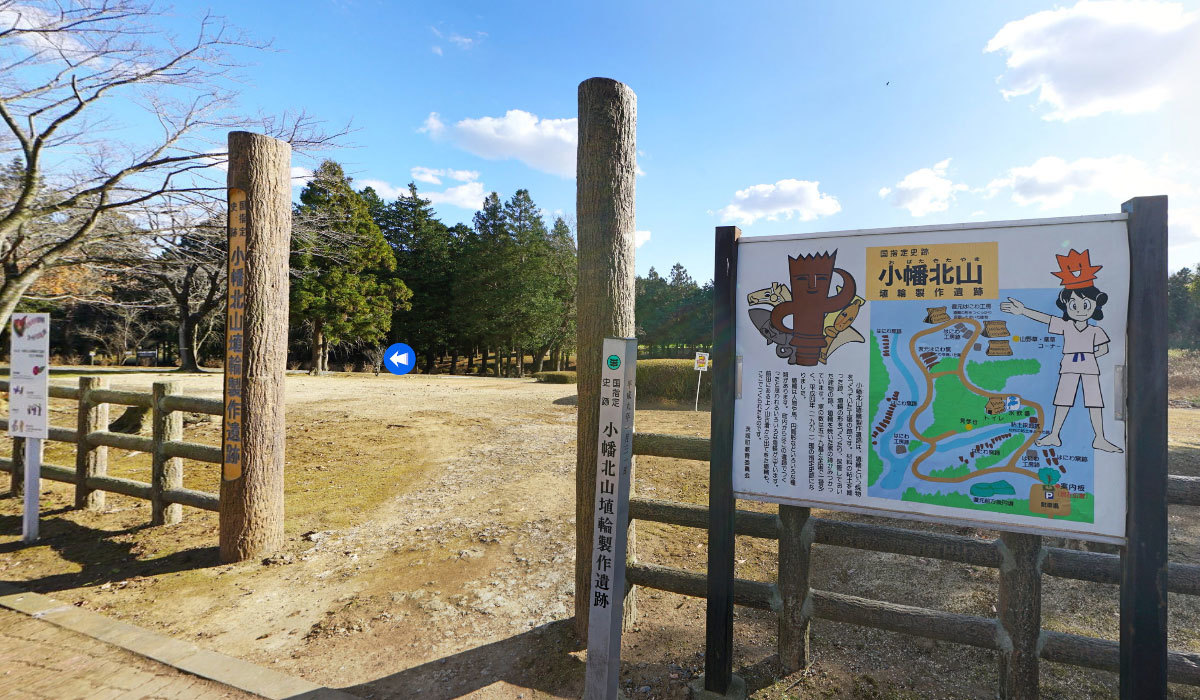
{"type": "Point", "coordinates": [166, 472]}
{"type": "Point", "coordinates": [604, 204]}
{"type": "Point", "coordinates": [90, 461]}
{"type": "Point", "coordinates": [795, 549]}
{"type": "Point", "coordinates": [17, 484]}
{"type": "Point", "coordinates": [1020, 614]}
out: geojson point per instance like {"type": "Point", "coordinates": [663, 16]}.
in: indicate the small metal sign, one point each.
{"type": "Point", "coordinates": [28, 404]}
{"type": "Point", "coordinates": [234, 319]}
{"type": "Point", "coordinates": [702, 361]}
{"type": "Point", "coordinates": [614, 459]}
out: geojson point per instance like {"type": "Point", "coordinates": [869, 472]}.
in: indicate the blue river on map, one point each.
{"type": "Point", "coordinates": [909, 317]}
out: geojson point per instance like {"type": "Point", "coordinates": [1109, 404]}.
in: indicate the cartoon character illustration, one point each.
{"type": "Point", "coordinates": [810, 304]}
{"type": "Point", "coordinates": [1083, 343]}
{"type": "Point", "coordinates": [773, 295]}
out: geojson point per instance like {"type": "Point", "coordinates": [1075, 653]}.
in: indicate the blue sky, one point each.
{"type": "Point", "coordinates": [777, 117]}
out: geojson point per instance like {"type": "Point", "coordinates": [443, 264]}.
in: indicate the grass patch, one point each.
{"type": "Point", "coordinates": [556, 377]}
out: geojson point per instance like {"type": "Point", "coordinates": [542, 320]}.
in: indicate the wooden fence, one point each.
{"type": "Point", "coordinates": [1022, 559]}
{"type": "Point", "coordinates": [92, 440]}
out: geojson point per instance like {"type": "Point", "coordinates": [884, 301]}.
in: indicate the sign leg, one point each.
{"type": "Point", "coordinates": [33, 473]}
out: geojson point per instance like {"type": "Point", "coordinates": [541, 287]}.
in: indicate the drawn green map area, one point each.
{"type": "Point", "coordinates": [958, 401]}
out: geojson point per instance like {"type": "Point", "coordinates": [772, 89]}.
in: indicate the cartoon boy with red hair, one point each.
{"type": "Point", "coordinates": [1083, 342]}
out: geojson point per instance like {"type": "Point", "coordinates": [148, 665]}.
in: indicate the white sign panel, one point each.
{"type": "Point", "coordinates": [960, 373]}
{"type": "Point", "coordinates": [702, 361]}
{"type": "Point", "coordinates": [614, 458]}
{"type": "Point", "coordinates": [29, 376]}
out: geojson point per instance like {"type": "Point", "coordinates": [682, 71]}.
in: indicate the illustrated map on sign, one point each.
{"type": "Point", "coordinates": [960, 397]}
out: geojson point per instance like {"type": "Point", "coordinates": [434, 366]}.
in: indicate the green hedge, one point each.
{"type": "Point", "coordinates": [671, 380]}
{"type": "Point", "coordinates": [555, 377]}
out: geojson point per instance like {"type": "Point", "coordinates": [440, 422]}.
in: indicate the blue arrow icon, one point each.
{"type": "Point", "coordinates": [399, 359]}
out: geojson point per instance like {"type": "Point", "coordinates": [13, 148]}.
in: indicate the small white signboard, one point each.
{"type": "Point", "coordinates": [702, 361]}
{"type": "Point", "coordinates": [614, 459]}
{"type": "Point", "coordinates": [29, 373]}
{"type": "Point", "coordinates": [28, 406]}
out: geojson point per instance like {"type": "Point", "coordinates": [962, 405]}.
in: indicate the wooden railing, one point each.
{"type": "Point", "coordinates": [92, 439]}
{"type": "Point", "coordinates": [1021, 559]}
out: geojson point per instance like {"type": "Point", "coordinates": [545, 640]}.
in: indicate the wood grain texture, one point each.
{"type": "Point", "coordinates": [795, 563]}
{"type": "Point", "coordinates": [718, 650]}
{"type": "Point", "coordinates": [90, 460]}
{"type": "Point", "coordinates": [251, 515]}
{"type": "Point", "coordinates": [166, 472]}
{"type": "Point", "coordinates": [1144, 563]}
{"type": "Point", "coordinates": [605, 187]}
{"type": "Point", "coordinates": [1020, 609]}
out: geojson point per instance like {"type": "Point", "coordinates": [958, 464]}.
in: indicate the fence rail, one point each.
{"type": "Point", "coordinates": [987, 633]}
{"type": "Point", "coordinates": [92, 440]}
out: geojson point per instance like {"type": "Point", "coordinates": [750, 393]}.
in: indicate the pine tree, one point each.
{"type": "Point", "coordinates": [347, 288]}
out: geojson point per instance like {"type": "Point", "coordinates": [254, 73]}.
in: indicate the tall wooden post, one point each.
{"type": "Point", "coordinates": [251, 511]}
{"type": "Point", "coordinates": [1020, 609]}
{"type": "Point", "coordinates": [1144, 559]}
{"type": "Point", "coordinates": [604, 209]}
{"type": "Point", "coordinates": [90, 460]}
{"type": "Point", "coordinates": [166, 472]}
{"type": "Point", "coordinates": [718, 642]}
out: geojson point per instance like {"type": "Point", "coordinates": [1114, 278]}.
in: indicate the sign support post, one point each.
{"type": "Point", "coordinates": [33, 472]}
{"type": "Point", "coordinates": [719, 680]}
{"type": "Point", "coordinates": [610, 519]}
{"type": "Point", "coordinates": [1144, 558]}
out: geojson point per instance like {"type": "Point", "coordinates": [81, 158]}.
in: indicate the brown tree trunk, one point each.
{"type": "Point", "coordinates": [604, 201]}
{"type": "Point", "coordinates": [318, 349]}
{"type": "Point", "coordinates": [187, 341]}
{"type": "Point", "coordinates": [454, 361]}
{"type": "Point", "coordinates": [251, 507]}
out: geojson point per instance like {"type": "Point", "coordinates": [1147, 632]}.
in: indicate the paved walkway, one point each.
{"type": "Point", "coordinates": [49, 649]}
{"type": "Point", "coordinates": [42, 660]}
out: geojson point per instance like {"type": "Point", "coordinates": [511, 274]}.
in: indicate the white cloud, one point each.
{"type": "Point", "coordinates": [385, 190]}
{"type": "Point", "coordinates": [434, 177]}
{"type": "Point", "coordinates": [437, 50]}
{"type": "Point", "coordinates": [1101, 56]}
{"type": "Point", "coordinates": [784, 199]}
{"type": "Point", "coordinates": [543, 144]}
{"type": "Point", "coordinates": [468, 196]}
{"type": "Point", "coordinates": [300, 176]}
{"type": "Point", "coordinates": [924, 191]}
{"type": "Point", "coordinates": [1052, 182]}
{"type": "Point", "coordinates": [462, 42]}
{"type": "Point", "coordinates": [640, 238]}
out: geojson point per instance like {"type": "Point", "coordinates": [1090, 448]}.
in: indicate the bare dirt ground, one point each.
{"type": "Point", "coordinates": [430, 554]}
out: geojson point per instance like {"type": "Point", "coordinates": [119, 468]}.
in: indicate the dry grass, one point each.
{"type": "Point", "coordinates": [1183, 375]}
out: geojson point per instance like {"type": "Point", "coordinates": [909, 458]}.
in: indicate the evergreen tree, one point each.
{"type": "Point", "coordinates": [346, 288]}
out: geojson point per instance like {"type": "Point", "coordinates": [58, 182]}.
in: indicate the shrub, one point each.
{"type": "Point", "coordinates": [556, 377]}
{"type": "Point", "coordinates": [671, 380]}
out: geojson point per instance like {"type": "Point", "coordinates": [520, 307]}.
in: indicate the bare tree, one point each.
{"type": "Point", "coordinates": [69, 73]}
{"type": "Point", "coordinates": [123, 330]}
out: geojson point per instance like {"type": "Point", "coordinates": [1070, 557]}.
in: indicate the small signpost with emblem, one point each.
{"type": "Point", "coordinates": [701, 368]}
{"type": "Point", "coordinates": [614, 460]}
{"type": "Point", "coordinates": [28, 408]}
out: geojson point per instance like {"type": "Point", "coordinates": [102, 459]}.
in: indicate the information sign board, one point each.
{"type": "Point", "coordinates": [702, 361]}
{"type": "Point", "coordinates": [29, 376]}
{"type": "Point", "coordinates": [614, 459]}
{"type": "Point", "coordinates": [963, 373]}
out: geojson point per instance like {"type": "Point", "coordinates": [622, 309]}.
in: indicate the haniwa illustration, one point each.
{"type": "Point", "coordinates": [1083, 342]}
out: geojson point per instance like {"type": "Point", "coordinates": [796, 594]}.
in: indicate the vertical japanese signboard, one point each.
{"type": "Point", "coordinates": [234, 318]}
{"type": "Point", "coordinates": [611, 517]}
{"type": "Point", "coordinates": [963, 373]}
{"type": "Point", "coordinates": [29, 376]}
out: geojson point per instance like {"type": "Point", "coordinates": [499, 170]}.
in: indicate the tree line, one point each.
{"type": "Point", "coordinates": [1183, 308]}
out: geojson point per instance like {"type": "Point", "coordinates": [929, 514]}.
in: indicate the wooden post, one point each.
{"type": "Point", "coordinates": [718, 650]}
{"type": "Point", "coordinates": [795, 548]}
{"type": "Point", "coordinates": [604, 209]}
{"type": "Point", "coordinates": [1144, 558]}
{"type": "Point", "coordinates": [90, 461]}
{"type": "Point", "coordinates": [16, 485]}
{"type": "Point", "coordinates": [166, 472]}
{"type": "Point", "coordinates": [251, 514]}
{"type": "Point", "coordinates": [1020, 608]}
